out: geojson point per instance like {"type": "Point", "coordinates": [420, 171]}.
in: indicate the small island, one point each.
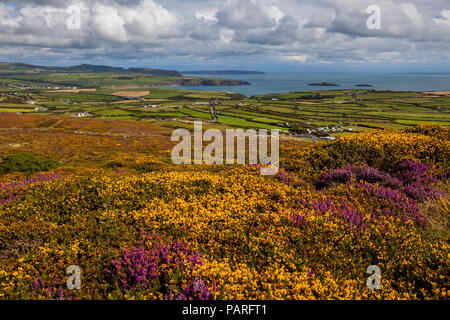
{"type": "Point", "coordinates": [323, 84]}
{"type": "Point", "coordinates": [363, 85]}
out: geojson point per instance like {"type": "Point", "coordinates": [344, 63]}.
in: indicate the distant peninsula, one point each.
{"type": "Point", "coordinates": [100, 76]}
{"type": "Point", "coordinates": [223, 72]}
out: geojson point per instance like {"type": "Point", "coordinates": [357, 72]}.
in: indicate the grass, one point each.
{"type": "Point", "coordinates": [372, 109]}
{"type": "Point", "coordinates": [239, 122]}
{"type": "Point", "coordinates": [112, 112]}
{"type": "Point", "coordinates": [16, 110]}
{"type": "Point", "coordinates": [196, 114]}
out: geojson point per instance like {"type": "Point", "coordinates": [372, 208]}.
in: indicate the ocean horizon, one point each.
{"type": "Point", "coordinates": [278, 82]}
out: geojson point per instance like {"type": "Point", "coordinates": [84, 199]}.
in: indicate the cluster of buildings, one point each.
{"type": "Point", "coordinates": [81, 114]}
{"type": "Point", "coordinates": [319, 132]}
{"type": "Point", "coordinates": [333, 129]}
{"type": "Point", "coordinates": [20, 86]}
{"type": "Point", "coordinates": [24, 87]}
{"type": "Point", "coordinates": [328, 129]}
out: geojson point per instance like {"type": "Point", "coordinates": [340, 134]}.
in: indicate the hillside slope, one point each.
{"type": "Point", "coordinates": [142, 228]}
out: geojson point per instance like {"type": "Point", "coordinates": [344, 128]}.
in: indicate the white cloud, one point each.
{"type": "Point", "coordinates": [226, 35]}
{"type": "Point", "coordinates": [248, 14]}
{"type": "Point", "coordinates": [445, 17]}
{"type": "Point", "coordinates": [274, 13]}
{"type": "Point", "coordinates": [322, 30]}
{"type": "Point", "coordinates": [207, 15]}
{"type": "Point", "coordinates": [109, 24]}
{"type": "Point", "coordinates": [149, 19]}
{"type": "Point", "coordinates": [6, 17]}
{"type": "Point", "coordinates": [296, 58]}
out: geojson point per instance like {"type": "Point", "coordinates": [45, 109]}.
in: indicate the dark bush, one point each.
{"type": "Point", "coordinates": [22, 162]}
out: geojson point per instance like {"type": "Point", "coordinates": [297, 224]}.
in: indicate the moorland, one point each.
{"type": "Point", "coordinates": [86, 179]}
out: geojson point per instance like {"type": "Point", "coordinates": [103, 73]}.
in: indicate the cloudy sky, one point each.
{"type": "Point", "coordinates": [267, 35]}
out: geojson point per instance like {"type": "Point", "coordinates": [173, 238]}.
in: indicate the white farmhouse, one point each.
{"type": "Point", "coordinates": [82, 114]}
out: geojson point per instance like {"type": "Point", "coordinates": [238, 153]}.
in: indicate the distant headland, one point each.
{"type": "Point", "coordinates": [105, 77]}
{"type": "Point", "coordinates": [222, 72]}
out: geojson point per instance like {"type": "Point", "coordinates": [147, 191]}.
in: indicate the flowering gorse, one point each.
{"type": "Point", "coordinates": [226, 232]}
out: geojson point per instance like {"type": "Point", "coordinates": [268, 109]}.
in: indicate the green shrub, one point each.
{"type": "Point", "coordinates": [22, 162]}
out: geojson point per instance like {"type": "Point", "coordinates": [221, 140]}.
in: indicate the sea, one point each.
{"type": "Point", "coordinates": [285, 82]}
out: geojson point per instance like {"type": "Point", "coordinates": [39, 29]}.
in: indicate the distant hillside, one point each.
{"type": "Point", "coordinates": [21, 75]}
{"type": "Point", "coordinates": [156, 72]}
{"type": "Point", "coordinates": [86, 68]}
{"type": "Point", "coordinates": [223, 72]}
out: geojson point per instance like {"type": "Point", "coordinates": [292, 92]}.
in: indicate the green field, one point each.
{"type": "Point", "coordinates": [322, 113]}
